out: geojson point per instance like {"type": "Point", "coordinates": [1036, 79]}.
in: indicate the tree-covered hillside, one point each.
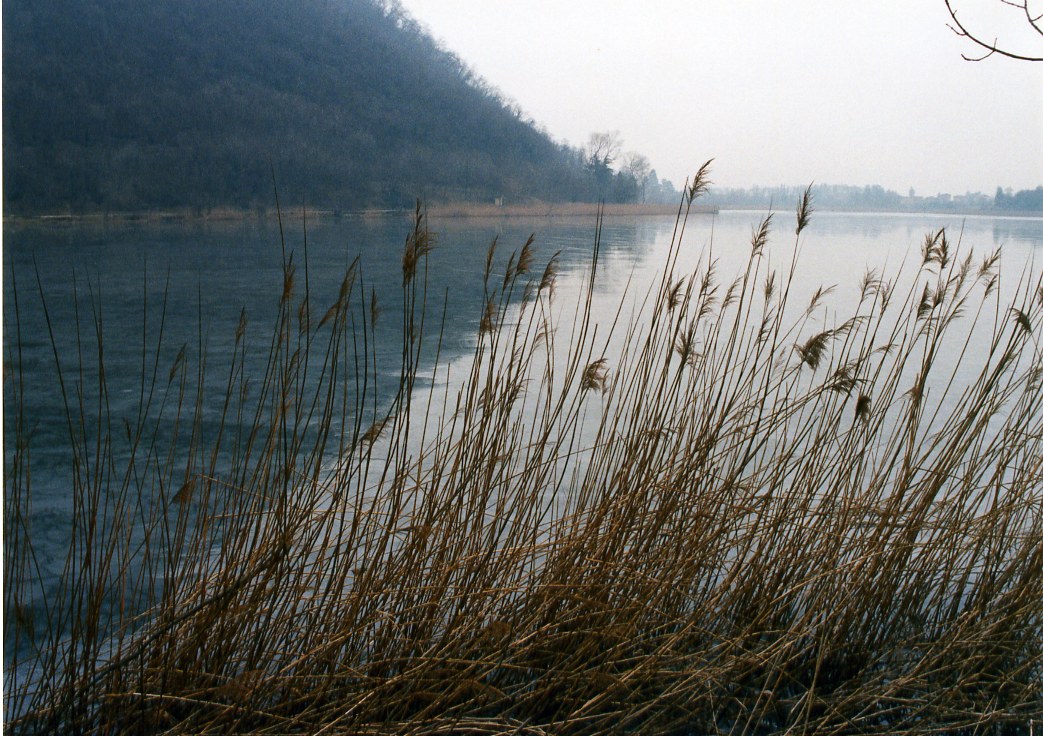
{"type": "Point", "coordinates": [132, 104]}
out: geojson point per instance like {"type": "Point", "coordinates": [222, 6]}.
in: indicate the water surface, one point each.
{"type": "Point", "coordinates": [133, 297]}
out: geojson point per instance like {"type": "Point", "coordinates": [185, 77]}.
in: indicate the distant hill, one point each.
{"type": "Point", "coordinates": [137, 104]}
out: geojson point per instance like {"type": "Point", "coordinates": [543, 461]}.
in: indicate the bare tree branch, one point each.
{"type": "Point", "coordinates": [962, 31]}
{"type": "Point", "coordinates": [1033, 21]}
{"type": "Point", "coordinates": [603, 148]}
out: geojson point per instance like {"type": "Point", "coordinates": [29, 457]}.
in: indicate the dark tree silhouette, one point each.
{"type": "Point", "coordinates": [118, 105]}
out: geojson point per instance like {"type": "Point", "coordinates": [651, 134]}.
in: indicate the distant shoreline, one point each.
{"type": "Point", "coordinates": [444, 209]}
{"type": "Point", "coordinates": [440, 210]}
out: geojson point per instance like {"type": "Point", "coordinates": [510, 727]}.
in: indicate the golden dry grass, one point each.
{"type": "Point", "coordinates": [733, 522]}
{"type": "Point", "coordinates": [552, 209]}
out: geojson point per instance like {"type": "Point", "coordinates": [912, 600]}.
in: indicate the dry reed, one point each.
{"type": "Point", "coordinates": [732, 521]}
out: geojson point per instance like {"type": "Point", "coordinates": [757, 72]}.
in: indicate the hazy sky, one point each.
{"type": "Point", "coordinates": [836, 91]}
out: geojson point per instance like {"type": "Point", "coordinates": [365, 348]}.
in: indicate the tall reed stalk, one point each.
{"type": "Point", "coordinates": [725, 516]}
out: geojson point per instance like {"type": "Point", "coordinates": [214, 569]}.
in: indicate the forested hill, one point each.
{"type": "Point", "coordinates": [137, 104]}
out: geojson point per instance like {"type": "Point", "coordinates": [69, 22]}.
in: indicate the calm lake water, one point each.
{"type": "Point", "coordinates": [123, 283]}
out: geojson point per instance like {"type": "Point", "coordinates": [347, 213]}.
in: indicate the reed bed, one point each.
{"type": "Point", "coordinates": [726, 515]}
{"type": "Point", "coordinates": [538, 208]}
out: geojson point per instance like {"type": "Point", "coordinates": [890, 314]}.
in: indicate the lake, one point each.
{"type": "Point", "coordinates": [152, 297]}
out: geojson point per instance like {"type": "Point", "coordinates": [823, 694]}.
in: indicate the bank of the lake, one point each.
{"type": "Point", "coordinates": [439, 209]}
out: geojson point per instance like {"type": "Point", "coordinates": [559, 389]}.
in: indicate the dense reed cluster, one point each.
{"type": "Point", "coordinates": [727, 515]}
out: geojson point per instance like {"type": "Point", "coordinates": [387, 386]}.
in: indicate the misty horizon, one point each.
{"type": "Point", "coordinates": [778, 95]}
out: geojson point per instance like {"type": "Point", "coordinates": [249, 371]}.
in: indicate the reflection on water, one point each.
{"type": "Point", "coordinates": [141, 287]}
{"type": "Point", "coordinates": [1006, 229]}
{"type": "Point", "coordinates": [187, 285]}
{"type": "Point", "coordinates": [132, 299]}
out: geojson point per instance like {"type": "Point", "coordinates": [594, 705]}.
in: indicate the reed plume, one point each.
{"type": "Point", "coordinates": [724, 543]}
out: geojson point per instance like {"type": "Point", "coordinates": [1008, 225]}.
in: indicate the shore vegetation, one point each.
{"type": "Point", "coordinates": [727, 514]}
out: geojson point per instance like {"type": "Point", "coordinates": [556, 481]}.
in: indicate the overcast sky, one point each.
{"type": "Point", "coordinates": [835, 91]}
